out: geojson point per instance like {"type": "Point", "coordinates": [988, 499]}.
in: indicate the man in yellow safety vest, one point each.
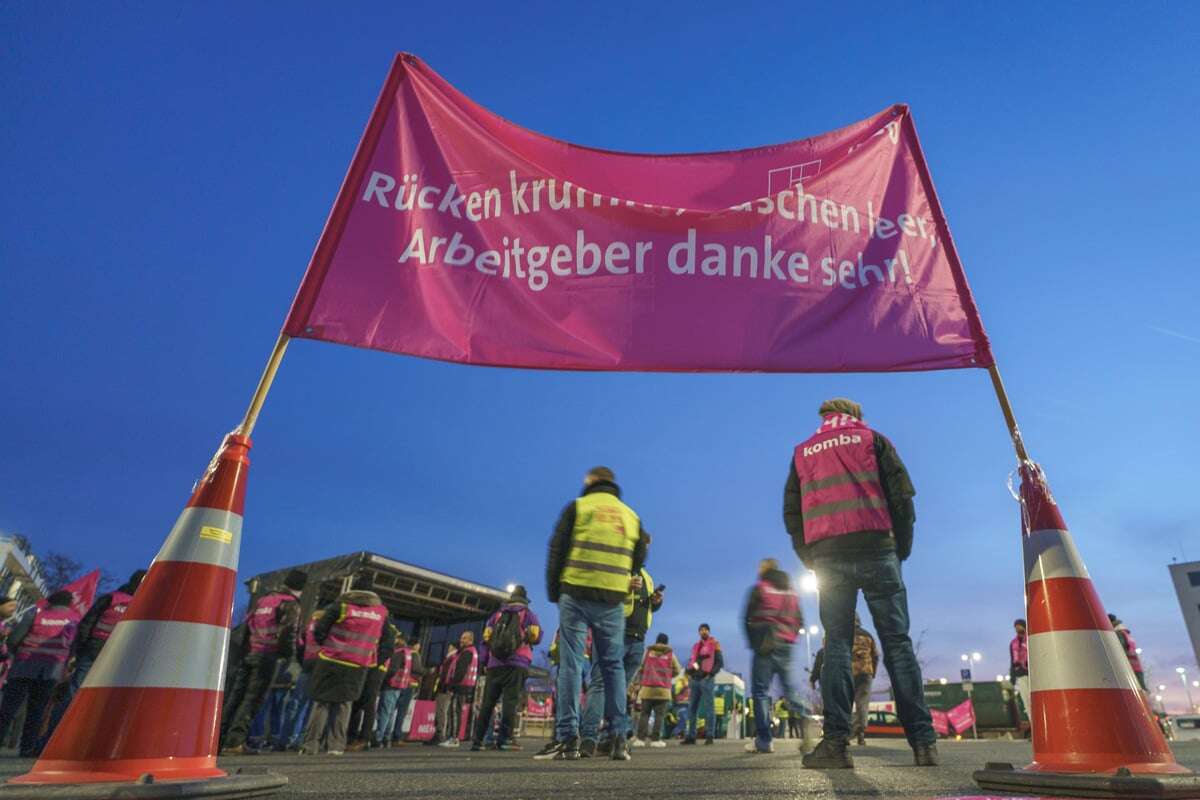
{"type": "Point", "coordinates": [595, 560]}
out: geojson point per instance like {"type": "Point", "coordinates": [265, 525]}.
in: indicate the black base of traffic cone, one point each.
{"type": "Point", "coordinates": [243, 782]}
{"type": "Point", "coordinates": [1001, 777]}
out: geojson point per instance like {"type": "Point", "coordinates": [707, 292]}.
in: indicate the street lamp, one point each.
{"type": "Point", "coordinates": [943, 681]}
{"type": "Point", "coordinates": [808, 583]}
{"type": "Point", "coordinates": [1183, 678]}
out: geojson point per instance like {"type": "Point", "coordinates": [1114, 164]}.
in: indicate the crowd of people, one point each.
{"type": "Point", "coordinates": [344, 678]}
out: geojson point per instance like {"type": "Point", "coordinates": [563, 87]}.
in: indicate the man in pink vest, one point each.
{"type": "Point", "coordinates": [848, 508]}
{"type": "Point", "coordinates": [95, 628]}
{"type": "Point", "coordinates": [1018, 663]}
{"type": "Point", "coordinates": [703, 665]}
{"type": "Point", "coordinates": [1129, 645]}
{"type": "Point", "coordinates": [656, 676]}
{"type": "Point", "coordinates": [270, 642]}
{"type": "Point", "coordinates": [461, 677]}
{"type": "Point", "coordinates": [773, 621]}
{"type": "Point", "coordinates": [41, 646]}
{"type": "Point", "coordinates": [353, 638]}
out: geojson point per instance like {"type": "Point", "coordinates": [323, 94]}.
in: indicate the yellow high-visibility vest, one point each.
{"type": "Point", "coordinates": [601, 554]}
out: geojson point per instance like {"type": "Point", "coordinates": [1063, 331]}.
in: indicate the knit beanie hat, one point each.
{"type": "Point", "coordinates": [295, 580]}
{"type": "Point", "coordinates": [841, 405]}
{"type": "Point", "coordinates": [662, 639]}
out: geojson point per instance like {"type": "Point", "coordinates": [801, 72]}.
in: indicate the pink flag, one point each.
{"type": "Point", "coordinates": [962, 716]}
{"type": "Point", "coordinates": [941, 722]}
{"type": "Point", "coordinates": [84, 591]}
{"type": "Point", "coordinates": [460, 236]}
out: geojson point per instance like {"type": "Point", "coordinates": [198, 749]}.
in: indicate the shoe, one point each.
{"type": "Point", "coordinates": [335, 753]}
{"type": "Point", "coordinates": [708, 741]}
{"type": "Point", "coordinates": [752, 747]}
{"type": "Point", "coordinates": [356, 747]}
{"type": "Point", "coordinates": [658, 743]}
{"type": "Point", "coordinates": [636, 742]}
{"type": "Point", "coordinates": [829, 754]}
{"type": "Point", "coordinates": [449, 743]}
{"type": "Point", "coordinates": [476, 747]}
{"type": "Point", "coordinates": [925, 755]}
{"type": "Point", "coordinates": [509, 746]}
{"type": "Point", "coordinates": [620, 749]}
{"type": "Point", "coordinates": [587, 748]}
{"type": "Point", "coordinates": [862, 740]}
{"type": "Point", "coordinates": [432, 742]}
{"type": "Point", "coordinates": [689, 740]}
{"type": "Point", "coordinates": [604, 747]}
{"type": "Point", "coordinates": [236, 750]}
{"type": "Point", "coordinates": [560, 751]}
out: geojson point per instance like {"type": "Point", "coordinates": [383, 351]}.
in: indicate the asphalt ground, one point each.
{"type": "Point", "coordinates": [883, 769]}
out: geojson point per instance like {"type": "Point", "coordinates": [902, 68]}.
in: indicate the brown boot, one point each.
{"type": "Point", "coordinates": [356, 747]}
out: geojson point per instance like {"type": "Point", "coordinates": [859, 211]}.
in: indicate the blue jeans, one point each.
{"type": "Point", "coordinates": [763, 671]}
{"type": "Point", "coordinates": [701, 701]}
{"type": "Point", "coordinates": [607, 623]}
{"type": "Point", "coordinates": [406, 696]}
{"type": "Point", "coordinates": [879, 577]}
{"type": "Point", "coordinates": [590, 726]}
{"type": "Point", "coordinates": [296, 707]}
{"type": "Point", "coordinates": [385, 717]}
{"type": "Point", "coordinates": [681, 719]}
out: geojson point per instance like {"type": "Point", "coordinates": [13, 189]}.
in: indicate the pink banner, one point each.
{"type": "Point", "coordinates": [540, 709]}
{"type": "Point", "coordinates": [460, 236]}
{"type": "Point", "coordinates": [424, 721]}
{"type": "Point", "coordinates": [941, 722]}
{"type": "Point", "coordinates": [962, 716]}
{"type": "Point", "coordinates": [83, 590]}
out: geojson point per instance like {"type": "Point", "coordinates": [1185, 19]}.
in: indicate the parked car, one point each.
{"type": "Point", "coordinates": [1186, 727]}
{"type": "Point", "coordinates": [884, 724]}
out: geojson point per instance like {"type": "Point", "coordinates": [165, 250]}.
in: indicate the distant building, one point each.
{"type": "Point", "coordinates": [1187, 587]}
{"type": "Point", "coordinates": [21, 576]}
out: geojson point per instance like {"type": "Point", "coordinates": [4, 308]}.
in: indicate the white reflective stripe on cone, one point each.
{"type": "Point", "coordinates": [1087, 659]}
{"type": "Point", "coordinates": [1052, 554]}
{"type": "Point", "coordinates": [171, 655]}
{"type": "Point", "coordinates": [206, 536]}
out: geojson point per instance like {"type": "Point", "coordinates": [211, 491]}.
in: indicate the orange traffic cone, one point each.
{"type": "Point", "coordinates": [150, 708]}
{"type": "Point", "coordinates": [1093, 731]}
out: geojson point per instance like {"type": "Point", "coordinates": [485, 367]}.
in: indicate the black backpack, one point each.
{"type": "Point", "coordinates": [507, 635]}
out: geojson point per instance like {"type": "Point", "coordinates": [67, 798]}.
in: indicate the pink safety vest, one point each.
{"type": "Point", "coordinates": [112, 615]}
{"type": "Point", "coordinates": [354, 638]}
{"type": "Point", "coordinates": [839, 480]}
{"type": "Point", "coordinates": [1018, 650]}
{"type": "Point", "coordinates": [50, 637]}
{"type": "Point", "coordinates": [1135, 660]}
{"type": "Point", "coordinates": [780, 608]}
{"type": "Point", "coordinates": [656, 669]}
{"type": "Point", "coordinates": [402, 677]}
{"type": "Point", "coordinates": [472, 675]}
{"type": "Point", "coordinates": [704, 652]}
{"type": "Point", "coordinates": [310, 645]}
{"type": "Point", "coordinates": [264, 622]}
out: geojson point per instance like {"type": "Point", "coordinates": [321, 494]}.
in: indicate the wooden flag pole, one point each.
{"type": "Point", "coordinates": [1009, 418]}
{"type": "Point", "coordinates": [264, 386]}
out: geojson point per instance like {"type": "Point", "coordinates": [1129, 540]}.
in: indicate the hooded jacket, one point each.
{"type": "Point", "coordinates": [560, 547]}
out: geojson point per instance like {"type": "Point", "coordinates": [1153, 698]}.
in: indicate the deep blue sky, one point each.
{"type": "Point", "coordinates": [167, 169]}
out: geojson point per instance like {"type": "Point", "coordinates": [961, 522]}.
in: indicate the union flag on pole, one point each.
{"type": "Point", "coordinates": [460, 236]}
{"type": "Point", "coordinates": [83, 591]}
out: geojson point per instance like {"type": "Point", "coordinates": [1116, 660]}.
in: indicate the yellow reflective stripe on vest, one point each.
{"type": "Point", "coordinates": [602, 543]}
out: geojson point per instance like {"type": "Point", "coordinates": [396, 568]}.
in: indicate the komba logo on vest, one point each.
{"type": "Point", "coordinates": [54, 622]}
{"type": "Point", "coordinates": [354, 612]}
{"type": "Point", "coordinates": [836, 441]}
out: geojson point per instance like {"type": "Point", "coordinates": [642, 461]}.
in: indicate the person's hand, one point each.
{"type": "Point", "coordinates": [635, 583]}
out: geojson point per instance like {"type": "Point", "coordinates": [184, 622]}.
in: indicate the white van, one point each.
{"type": "Point", "coordinates": [1186, 727]}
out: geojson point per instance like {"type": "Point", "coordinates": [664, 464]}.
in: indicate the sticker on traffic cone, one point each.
{"type": "Point", "coordinates": [1093, 731]}
{"type": "Point", "coordinates": [150, 708]}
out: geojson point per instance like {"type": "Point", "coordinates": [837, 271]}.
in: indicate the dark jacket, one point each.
{"type": "Point", "coordinates": [818, 663]}
{"type": "Point", "coordinates": [758, 633]}
{"type": "Point", "coordinates": [560, 546]}
{"type": "Point", "coordinates": [333, 682]}
{"type": "Point", "coordinates": [84, 643]}
{"type": "Point", "coordinates": [897, 487]}
{"type": "Point", "coordinates": [638, 622]}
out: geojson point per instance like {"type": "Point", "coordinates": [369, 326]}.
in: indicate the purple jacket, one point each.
{"type": "Point", "coordinates": [533, 634]}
